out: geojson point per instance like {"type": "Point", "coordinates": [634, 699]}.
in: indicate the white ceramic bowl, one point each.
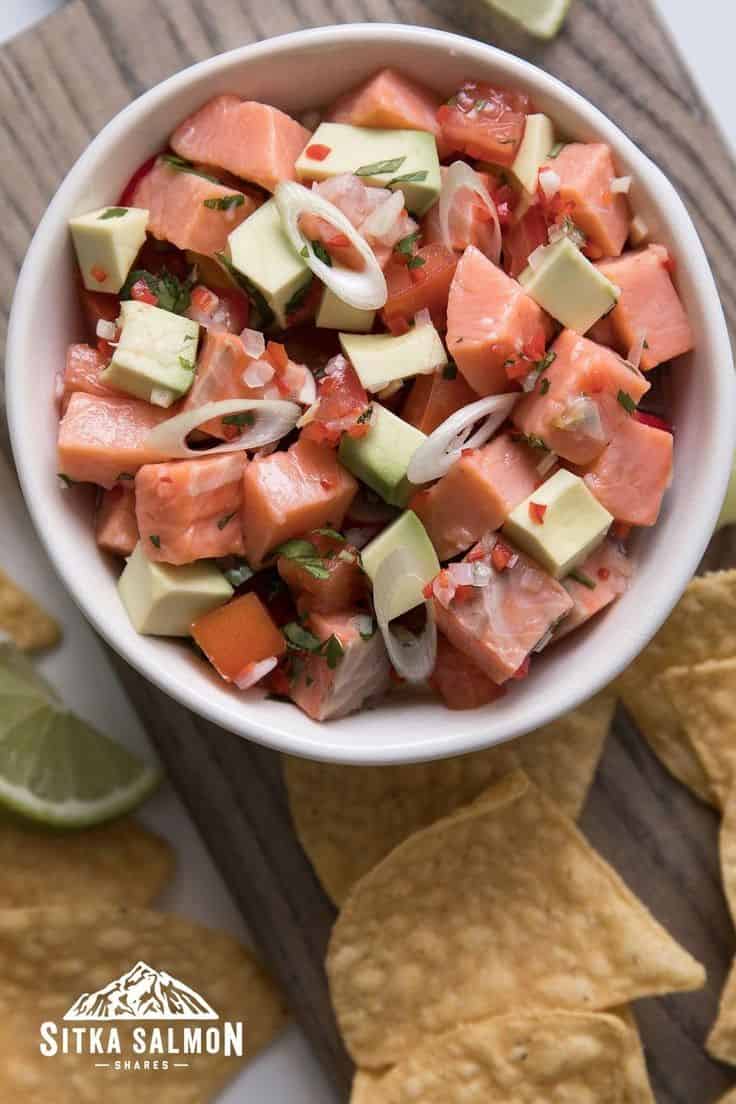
{"type": "Point", "coordinates": [296, 72]}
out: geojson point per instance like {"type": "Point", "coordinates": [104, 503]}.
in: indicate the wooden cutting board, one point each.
{"type": "Point", "coordinates": [59, 83]}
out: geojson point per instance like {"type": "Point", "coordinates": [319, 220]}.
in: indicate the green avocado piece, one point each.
{"type": "Point", "coordinates": [333, 314]}
{"type": "Point", "coordinates": [156, 356]}
{"type": "Point", "coordinates": [379, 359]}
{"type": "Point", "coordinates": [261, 252]}
{"type": "Point", "coordinates": [163, 600]}
{"type": "Point", "coordinates": [380, 459]}
{"type": "Point", "coordinates": [406, 532]}
{"type": "Point", "coordinates": [405, 159]}
{"type": "Point", "coordinates": [569, 287]}
{"type": "Point", "coordinates": [107, 242]}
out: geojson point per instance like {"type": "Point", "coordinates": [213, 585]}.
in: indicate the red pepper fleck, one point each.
{"type": "Point", "coordinates": [276, 353]}
{"type": "Point", "coordinates": [603, 574]}
{"type": "Point", "coordinates": [668, 261]}
{"type": "Point", "coordinates": [318, 152]}
{"type": "Point", "coordinates": [467, 452]}
{"type": "Point", "coordinates": [143, 294]}
{"type": "Point", "coordinates": [620, 530]}
{"type": "Point", "coordinates": [536, 512]}
{"type": "Point", "coordinates": [98, 274]}
{"type": "Point", "coordinates": [326, 484]}
{"type": "Point", "coordinates": [654, 421]}
{"type": "Point", "coordinates": [522, 671]}
{"type": "Point", "coordinates": [501, 556]}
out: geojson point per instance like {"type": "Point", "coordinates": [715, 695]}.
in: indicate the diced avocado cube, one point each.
{"type": "Point", "coordinates": [569, 287]}
{"type": "Point", "coordinates": [538, 140]}
{"type": "Point", "coordinates": [405, 159]}
{"type": "Point", "coordinates": [107, 241]}
{"type": "Point", "coordinates": [162, 600]}
{"type": "Point", "coordinates": [559, 524]}
{"type": "Point", "coordinates": [156, 355]}
{"type": "Point", "coordinates": [379, 359]}
{"type": "Point", "coordinates": [261, 252]}
{"type": "Point", "coordinates": [406, 532]}
{"type": "Point", "coordinates": [333, 314]}
{"type": "Point", "coordinates": [381, 458]}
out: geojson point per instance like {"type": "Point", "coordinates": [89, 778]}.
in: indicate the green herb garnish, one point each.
{"type": "Point", "coordinates": [244, 418]}
{"type": "Point", "coordinates": [416, 261]}
{"type": "Point", "coordinates": [224, 203]}
{"type": "Point", "coordinates": [172, 294]}
{"type": "Point", "coordinates": [546, 362]}
{"type": "Point", "coordinates": [365, 416]}
{"type": "Point", "coordinates": [155, 540]}
{"type": "Point", "coordinates": [300, 638]}
{"type": "Point", "coordinates": [226, 520]}
{"type": "Point", "coordinates": [334, 652]}
{"type": "Point", "coordinates": [113, 212]}
{"type": "Point", "coordinates": [299, 295]}
{"type": "Point", "coordinates": [406, 245]}
{"type": "Point", "coordinates": [179, 164]}
{"type": "Point", "coordinates": [556, 150]}
{"type": "Point", "coordinates": [264, 316]}
{"type": "Point", "coordinates": [306, 555]}
{"type": "Point", "coordinates": [544, 386]}
{"type": "Point", "coordinates": [369, 633]}
{"type": "Point", "coordinates": [449, 372]}
{"type": "Point", "coordinates": [67, 479]}
{"type": "Point", "coordinates": [321, 253]}
{"type": "Point", "coordinates": [532, 440]}
{"type": "Point", "coordinates": [187, 365]}
{"type": "Point", "coordinates": [327, 532]}
{"type": "Point", "coordinates": [626, 401]}
{"type": "Point", "coordinates": [380, 167]}
{"type": "Point", "coordinates": [583, 579]}
{"type": "Point", "coordinates": [409, 178]}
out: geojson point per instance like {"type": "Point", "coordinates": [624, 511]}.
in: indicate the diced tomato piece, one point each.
{"type": "Point", "coordinates": [342, 401]}
{"type": "Point", "coordinates": [421, 286]}
{"type": "Point", "coordinates": [239, 633]}
{"type": "Point", "coordinates": [485, 122]}
{"type": "Point", "coordinates": [141, 291]}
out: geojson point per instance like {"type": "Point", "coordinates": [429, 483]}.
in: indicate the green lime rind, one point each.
{"type": "Point", "coordinates": [541, 18]}
{"type": "Point", "coordinates": [56, 769]}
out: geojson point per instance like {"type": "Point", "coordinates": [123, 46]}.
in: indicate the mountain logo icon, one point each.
{"type": "Point", "coordinates": [142, 994]}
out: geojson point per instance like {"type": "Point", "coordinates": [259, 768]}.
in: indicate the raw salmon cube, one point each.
{"type": "Point", "coordinates": [477, 494]}
{"type": "Point", "coordinates": [177, 212]}
{"type": "Point", "coordinates": [252, 140]}
{"type": "Point", "coordinates": [221, 364]}
{"type": "Point", "coordinates": [82, 373]}
{"type": "Point", "coordinates": [458, 681]}
{"type": "Point", "coordinates": [338, 680]}
{"type": "Point", "coordinates": [237, 635]}
{"type": "Point", "coordinates": [345, 584]}
{"type": "Point", "coordinates": [103, 439]}
{"type": "Point", "coordinates": [426, 286]}
{"type": "Point", "coordinates": [490, 319]}
{"type": "Point", "coordinates": [434, 398]}
{"type": "Point", "coordinates": [586, 171]}
{"type": "Point", "coordinates": [116, 529]}
{"type": "Point", "coordinates": [289, 493]}
{"type": "Point", "coordinates": [599, 580]}
{"type": "Point", "coordinates": [649, 307]}
{"type": "Point", "coordinates": [388, 99]}
{"type": "Point", "coordinates": [189, 510]}
{"type": "Point", "coordinates": [580, 400]}
{"type": "Point", "coordinates": [498, 625]}
{"type": "Point", "coordinates": [630, 477]}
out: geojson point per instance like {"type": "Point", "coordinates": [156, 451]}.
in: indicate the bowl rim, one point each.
{"type": "Point", "coordinates": [450, 739]}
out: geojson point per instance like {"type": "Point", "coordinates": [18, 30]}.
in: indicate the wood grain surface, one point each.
{"type": "Point", "coordinates": [59, 83]}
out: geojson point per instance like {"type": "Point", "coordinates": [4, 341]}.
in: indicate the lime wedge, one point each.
{"type": "Point", "coordinates": [542, 18]}
{"type": "Point", "coordinates": [54, 767]}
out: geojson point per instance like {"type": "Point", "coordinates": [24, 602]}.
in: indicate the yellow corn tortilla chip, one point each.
{"type": "Point", "coordinates": [729, 1098]}
{"type": "Point", "coordinates": [349, 818]}
{"type": "Point", "coordinates": [524, 1057]}
{"type": "Point", "coordinates": [50, 957]}
{"type": "Point", "coordinates": [23, 620]}
{"type": "Point", "coordinates": [704, 698]}
{"type": "Point", "coordinates": [120, 862]}
{"type": "Point", "coordinates": [369, 1088]}
{"type": "Point", "coordinates": [721, 1042]}
{"type": "Point", "coordinates": [702, 626]}
{"type": "Point", "coordinates": [727, 849]}
{"type": "Point", "coordinates": [503, 905]}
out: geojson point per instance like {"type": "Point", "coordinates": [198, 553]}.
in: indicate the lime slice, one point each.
{"type": "Point", "coordinates": [54, 767]}
{"type": "Point", "coordinates": [542, 18]}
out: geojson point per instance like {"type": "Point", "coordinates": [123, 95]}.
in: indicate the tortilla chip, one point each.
{"type": "Point", "coordinates": [349, 818]}
{"type": "Point", "coordinates": [721, 1043]}
{"type": "Point", "coordinates": [503, 905]}
{"type": "Point", "coordinates": [118, 863]}
{"type": "Point", "coordinates": [524, 1056]}
{"type": "Point", "coordinates": [22, 618]}
{"type": "Point", "coordinates": [704, 698]}
{"type": "Point", "coordinates": [50, 957]}
{"type": "Point", "coordinates": [370, 1088]}
{"type": "Point", "coordinates": [702, 626]}
{"type": "Point", "coordinates": [727, 849]}
{"type": "Point", "coordinates": [729, 1098]}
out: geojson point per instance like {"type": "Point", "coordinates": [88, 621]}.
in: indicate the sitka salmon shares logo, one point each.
{"type": "Point", "coordinates": [147, 999]}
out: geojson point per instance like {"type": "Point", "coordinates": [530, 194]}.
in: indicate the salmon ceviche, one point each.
{"type": "Point", "coordinates": [372, 396]}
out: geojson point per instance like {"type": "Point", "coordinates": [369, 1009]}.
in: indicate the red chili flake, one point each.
{"type": "Point", "coordinates": [326, 484]}
{"type": "Point", "coordinates": [98, 274]}
{"type": "Point", "coordinates": [467, 452]}
{"type": "Point", "coordinates": [143, 294]}
{"type": "Point", "coordinates": [318, 152]}
{"type": "Point", "coordinates": [668, 261]}
{"type": "Point", "coordinates": [522, 671]}
{"type": "Point", "coordinates": [654, 421]}
{"type": "Point", "coordinates": [501, 556]}
{"type": "Point", "coordinates": [276, 353]}
{"type": "Point", "coordinates": [603, 574]}
{"type": "Point", "coordinates": [537, 512]}
{"type": "Point", "coordinates": [620, 530]}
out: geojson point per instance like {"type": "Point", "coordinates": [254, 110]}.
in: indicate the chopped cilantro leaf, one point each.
{"type": "Point", "coordinates": [379, 167]}
{"type": "Point", "coordinates": [583, 579]}
{"type": "Point", "coordinates": [556, 150]}
{"type": "Point", "coordinates": [449, 372]}
{"type": "Point", "coordinates": [409, 178]}
{"type": "Point", "coordinates": [66, 479]}
{"type": "Point", "coordinates": [187, 365]}
{"type": "Point", "coordinates": [544, 386]}
{"type": "Point", "coordinates": [113, 212]}
{"type": "Point", "coordinates": [321, 253]}
{"type": "Point", "coordinates": [244, 418]}
{"type": "Point", "coordinates": [178, 164]}
{"type": "Point", "coordinates": [334, 652]}
{"type": "Point", "coordinates": [365, 416]}
{"type": "Point", "coordinates": [415, 262]}
{"type": "Point", "coordinates": [264, 316]}
{"type": "Point", "coordinates": [172, 294]}
{"type": "Point", "coordinates": [299, 295]}
{"type": "Point", "coordinates": [225, 203]}
{"type": "Point", "coordinates": [226, 520]}
{"type": "Point", "coordinates": [532, 440]}
{"type": "Point", "coordinates": [155, 540]}
{"type": "Point", "coordinates": [546, 362]}
{"type": "Point", "coordinates": [406, 245]}
{"type": "Point", "coordinates": [300, 638]}
{"type": "Point", "coordinates": [626, 401]}
{"type": "Point", "coordinates": [327, 532]}
{"type": "Point", "coordinates": [306, 555]}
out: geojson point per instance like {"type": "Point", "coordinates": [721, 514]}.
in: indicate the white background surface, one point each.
{"type": "Point", "coordinates": [287, 1074]}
